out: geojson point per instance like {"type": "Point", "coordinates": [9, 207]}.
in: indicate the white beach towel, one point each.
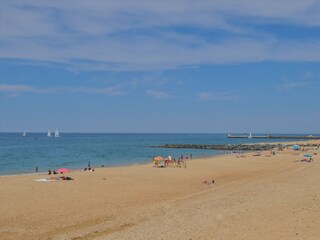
{"type": "Point", "coordinates": [43, 180]}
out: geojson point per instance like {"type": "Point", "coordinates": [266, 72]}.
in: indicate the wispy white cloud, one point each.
{"type": "Point", "coordinates": [308, 74]}
{"type": "Point", "coordinates": [292, 85]}
{"type": "Point", "coordinates": [22, 88]}
{"type": "Point", "coordinates": [111, 91]}
{"type": "Point", "coordinates": [15, 90]}
{"type": "Point", "coordinates": [158, 94]}
{"type": "Point", "coordinates": [140, 35]}
{"type": "Point", "coordinates": [221, 96]}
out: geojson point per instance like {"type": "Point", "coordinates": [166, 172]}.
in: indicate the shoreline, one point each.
{"type": "Point", "coordinates": [106, 166]}
{"type": "Point", "coordinates": [274, 144]}
{"type": "Point", "coordinates": [72, 170]}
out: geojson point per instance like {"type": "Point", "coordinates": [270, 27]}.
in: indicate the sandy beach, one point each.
{"type": "Point", "coordinates": [253, 197]}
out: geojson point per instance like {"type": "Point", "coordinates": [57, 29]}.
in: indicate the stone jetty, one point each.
{"type": "Point", "coordinates": [231, 147]}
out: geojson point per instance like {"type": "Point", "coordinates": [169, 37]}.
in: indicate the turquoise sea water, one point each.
{"type": "Point", "coordinates": [73, 150]}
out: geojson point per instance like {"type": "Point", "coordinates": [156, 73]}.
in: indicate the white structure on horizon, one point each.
{"type": "Point", "coordinates": [24, 134]}
{"type": "Point", "coordinates": [250, 136]}
{"type": "Point", "coordinates": [49, 134]}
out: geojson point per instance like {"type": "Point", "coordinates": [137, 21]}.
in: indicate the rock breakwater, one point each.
{"type": "Point", "coordinates": [228, 147]}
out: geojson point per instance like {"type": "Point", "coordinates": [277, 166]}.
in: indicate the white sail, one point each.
{"type": "Point", "coordinates": [49, 134]}
{"type": "Point", "coordinates": [24, 134]}
{"type": "Point", "coordinates": [56, 133]}
{"type": "Point", "coordinates": [250, 136]}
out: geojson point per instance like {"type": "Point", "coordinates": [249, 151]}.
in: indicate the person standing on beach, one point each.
{"type": "Point", "coordinates": [190, 156]}
{"type": "Point", "coordinates": [89, 165]}
{"type": "Point", "coordinates": [170, 160]}
{"type": "Point", "coordinates": [36, 168]}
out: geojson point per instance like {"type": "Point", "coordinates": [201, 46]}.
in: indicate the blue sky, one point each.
{"type": "Point", "coordinates": [160, 66]}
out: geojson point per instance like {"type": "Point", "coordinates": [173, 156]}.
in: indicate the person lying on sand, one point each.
{"type": "Point", "coordinates": [66, 178]}
{"type": "Point", "coordinates": [306, 160]}
{"type": "Point", "coordinates": [88, 169]}
{"type": "Point", "coordinates": [208, 182]}
{"type": "Point", "coordinates": [60, 178]}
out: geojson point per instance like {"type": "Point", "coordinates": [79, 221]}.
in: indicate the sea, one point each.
{"type": "Point", "coordinates": [20, 154]}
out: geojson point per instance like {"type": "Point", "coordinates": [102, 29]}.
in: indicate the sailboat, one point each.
{"type": "Point", "coordinates": [250, 136]}
{"type": "Point", "coordinates": [56, 133]}
{"type": "Point", "coordinates": [49, 134]}
{"type": "Point", "coordinates": [24, 134]}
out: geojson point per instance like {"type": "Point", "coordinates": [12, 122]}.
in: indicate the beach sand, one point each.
{"type": "Point", "coordinates": [253, 197]}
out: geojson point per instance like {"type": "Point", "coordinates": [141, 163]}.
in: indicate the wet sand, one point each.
{"type": "Point", "coordinates": [253, 197]}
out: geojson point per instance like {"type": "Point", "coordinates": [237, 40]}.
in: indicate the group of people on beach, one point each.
{"type": "Point", "coordinates": [172, 162]}
{"type": "Point", "coordinates": [57, 177]}
{"type": "Point", "coordinates": [89, 167]}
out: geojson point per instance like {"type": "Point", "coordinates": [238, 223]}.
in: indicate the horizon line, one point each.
{"type": "Point", "coordinates": [67, 132]}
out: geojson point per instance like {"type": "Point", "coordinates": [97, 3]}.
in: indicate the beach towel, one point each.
{"type": "Point", "coordinates": [43, 180]}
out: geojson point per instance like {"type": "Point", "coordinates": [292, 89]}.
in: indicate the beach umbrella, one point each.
{"type": "Point", "coordinates": [63, 170]}
{"type": "Point", "coordinates": [308, 155]}
{"type": "Point", "coordinates": [158, 158]}
{"type": "Point", "coordinates": [295, 147]}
